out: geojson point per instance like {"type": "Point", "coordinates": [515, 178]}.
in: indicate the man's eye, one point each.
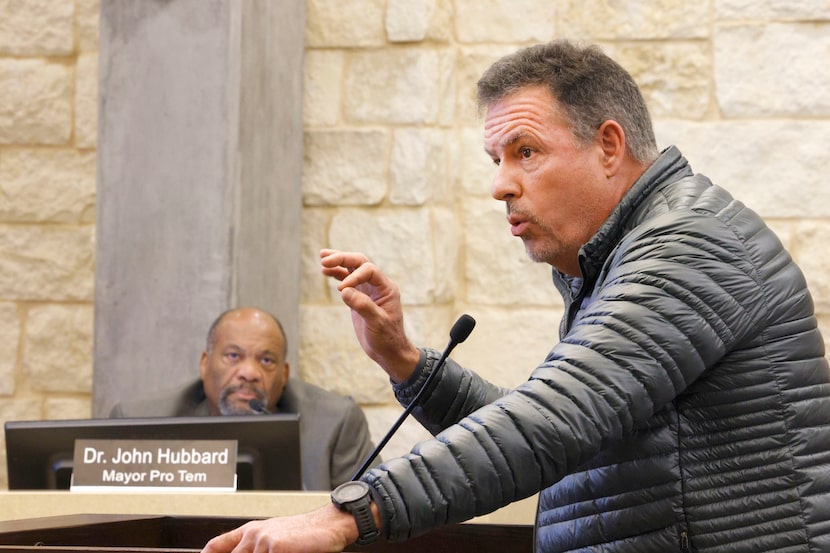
{"type": "Point", "coordinates": [232, 356]}
{"type": "Point", "coordinates": [526, 152]}
{"type": "Point", "coordinates": [267, 361]}
{"type": "Point", "coordinates": [497, 162]}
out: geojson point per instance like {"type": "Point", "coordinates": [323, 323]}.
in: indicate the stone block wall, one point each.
{"type": "Point", "coordinates": [394, 167]}
{"type": "Point", "coordinates": [48, 127]}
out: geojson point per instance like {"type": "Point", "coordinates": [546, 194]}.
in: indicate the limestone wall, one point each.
{"type": "Point", "coordinates": [48, 122]}
{"type": "Point", "coordinates": [394, 167]}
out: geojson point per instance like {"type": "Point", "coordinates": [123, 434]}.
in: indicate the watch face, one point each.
{"type": "Point", "coordinates": [351, 491]}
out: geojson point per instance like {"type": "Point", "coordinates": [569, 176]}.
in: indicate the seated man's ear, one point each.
{"type": "Point", "coordinates": [203, 364]}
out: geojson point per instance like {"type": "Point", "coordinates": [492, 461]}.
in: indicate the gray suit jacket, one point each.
{"type": "Point", "coordinates": [334, 435]}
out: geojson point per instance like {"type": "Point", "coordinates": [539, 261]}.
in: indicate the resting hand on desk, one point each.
{"type": "Point", "coordinates": [377, 315]}
{"type": "Point", "coordinates": [325, 530]}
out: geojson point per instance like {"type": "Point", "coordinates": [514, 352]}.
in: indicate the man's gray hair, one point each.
{"type": "Point", "coordinates": [589, 87]}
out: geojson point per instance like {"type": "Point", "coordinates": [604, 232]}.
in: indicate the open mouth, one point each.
{"type": "Point", "coordinates": [518, 224]}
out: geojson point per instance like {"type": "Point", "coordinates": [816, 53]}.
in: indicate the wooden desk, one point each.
{"type": "Point", "coordinates": [135, 534]}
{"type": "Point", "coordinates": [32, 504]}
{"type": "Point", "coordinates": [66, 521]}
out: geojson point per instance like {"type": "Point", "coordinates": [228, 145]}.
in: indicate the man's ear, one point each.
{"type": "Point", "coordinates": [611, 139]}
{"type": "Point", "coordinates": [287, 372]}
{"type": "Point", "coordinates": [203, 365]}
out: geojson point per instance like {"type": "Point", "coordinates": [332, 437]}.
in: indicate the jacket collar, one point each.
{"type": "Point", "coordinates": [667, 168]}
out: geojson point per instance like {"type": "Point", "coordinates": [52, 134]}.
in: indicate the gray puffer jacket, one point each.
{"type": "Point", "coordinates": [685, 408]}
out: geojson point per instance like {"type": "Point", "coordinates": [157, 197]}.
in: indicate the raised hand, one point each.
{"type": "Point", "coordinates": [377, 314]}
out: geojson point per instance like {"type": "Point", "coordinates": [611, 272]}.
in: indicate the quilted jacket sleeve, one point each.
{"type": "Point", "coordinates": [673, 298]}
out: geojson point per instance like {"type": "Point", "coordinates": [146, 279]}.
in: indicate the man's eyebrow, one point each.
{"type": "Point", "coordinates": [508, 141]}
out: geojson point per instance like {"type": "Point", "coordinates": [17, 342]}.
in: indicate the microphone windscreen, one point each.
{"type": "Point", "coordinates": [462, 328]}
{"type": "Point", "coordinates": [257, 406]}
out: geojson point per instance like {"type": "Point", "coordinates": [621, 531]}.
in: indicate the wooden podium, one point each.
{"type": "Point", "coordinates": [38, 521]}
{"type": "Point", "coordinates": [132, 533]}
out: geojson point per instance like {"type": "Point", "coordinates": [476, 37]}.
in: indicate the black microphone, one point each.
{"type": "Point", "coordinates": [258, 407]}
{"type": "Point", "coordinates": [458, 333]}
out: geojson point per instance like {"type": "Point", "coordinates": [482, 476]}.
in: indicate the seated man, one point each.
{"type": "Point", "coordinates": [244, 361]}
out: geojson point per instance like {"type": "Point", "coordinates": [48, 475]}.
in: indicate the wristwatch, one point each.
{"type": "Point", "coordinates": [354, 497]}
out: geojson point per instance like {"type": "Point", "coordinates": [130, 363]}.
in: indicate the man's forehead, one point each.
{"type": "Point", "coordinates": [519, 116]}
{"type": "Point", "coordinates": [248, 319]}
{"type": "Point", "coordinates": [244, 333]}
{"type": "Point", "coordinates": [247, 329]}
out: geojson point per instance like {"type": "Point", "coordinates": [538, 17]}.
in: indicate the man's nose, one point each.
{"type": "Point", "coordinates": [248, 369]}
{"type": "Point", "coordinates": [505, 184]}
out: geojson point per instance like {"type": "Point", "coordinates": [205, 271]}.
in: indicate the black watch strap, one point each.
{"type": "Point", "coordinates": [366, 527]}
{"type": "Point", "coordinates": [354, 497]}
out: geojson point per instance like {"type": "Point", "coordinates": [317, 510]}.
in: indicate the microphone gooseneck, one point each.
{"type": "Point", "coordinates": [458, 333]}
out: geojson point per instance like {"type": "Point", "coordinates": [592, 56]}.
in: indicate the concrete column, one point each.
{"type": "Point", "coordinates": [199, 181]}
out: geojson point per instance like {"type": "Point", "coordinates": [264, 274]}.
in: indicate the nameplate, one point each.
{"type": "Point", "coordinates": [154, 465]}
